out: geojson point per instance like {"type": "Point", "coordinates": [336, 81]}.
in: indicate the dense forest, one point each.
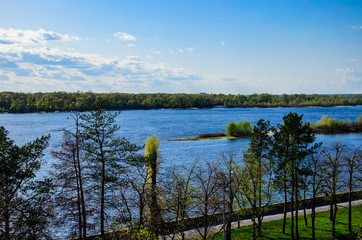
{"type": "Point", "coordinates": [14, 102]}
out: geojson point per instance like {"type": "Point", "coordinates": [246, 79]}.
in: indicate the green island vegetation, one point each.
{"type": "Point", "coordinates": [272, 229]}
{"type": "Point", "coordinates": [325, 125]}
{"type": "Point", "coordinates": [239, 129]}
{"type": "Point", "coordinates": [17, 102]}
{"type": "Point", "coordinates": [330, 125]}
{"type": "Point", "coordinates": [97, 172]}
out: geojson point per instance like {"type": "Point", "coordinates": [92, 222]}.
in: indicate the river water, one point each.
{"type": "Point", "coordinates": [137, 125]}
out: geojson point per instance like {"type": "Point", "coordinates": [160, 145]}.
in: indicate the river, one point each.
{"type": "Point", "coordinates": [137, 125]}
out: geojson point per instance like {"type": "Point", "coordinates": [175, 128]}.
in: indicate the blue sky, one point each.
{"type": "Point", "coordinates": [134, 46]}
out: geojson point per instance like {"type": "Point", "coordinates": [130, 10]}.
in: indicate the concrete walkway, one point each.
{"type": "Point", "coordinates": [194, 233]}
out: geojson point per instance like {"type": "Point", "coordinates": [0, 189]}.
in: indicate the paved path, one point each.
{"type": "Point", "coordinates": [194, 233]}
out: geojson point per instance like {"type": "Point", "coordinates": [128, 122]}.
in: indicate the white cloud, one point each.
{"type": "Point", "coordinates": [30, 37]}
{"type": "Point", "coordinates": [222, 43]}
{"type": "Point", "coordinates": [349, 75]}
{"type": "Point", "coordinates": [131, 45]}
{"type": "Point", "coordinates": [356, 27]}
{"type": "Point", "coordinates": [182, 50]}
{"type": "Point", "coordinates": [44, 68]}
{"type": "Point", "coordinates": [124, 36]}
{"type": "Point", "coordinates": [354, 60]}
{"type": "Point", "coordinates": [156, 52]}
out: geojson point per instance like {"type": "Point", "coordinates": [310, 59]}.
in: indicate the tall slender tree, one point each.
{"type": "Point", "coordinates": [70, 176]}
{"type": "Point", "coordinates": [108, 155]}
{"type": "Point", "coordinates": [353, 166]}
{"type": "Point", "coordinates": [152, 159]}
{"type": "Point", "coordinates": [256, 179]}
{"type": "Point", "coordinates": [332, 170]}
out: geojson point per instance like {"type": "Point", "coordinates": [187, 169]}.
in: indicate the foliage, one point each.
{"type": "Point", "coordinates": [330, 125]}
{"type": "Point", "coordinates": [108, 156]}
{"type": "Point", "coordinates": [241, 128]}
{"type": "Point", "coordinates": [83, 101]}
{"type": "Point", "coordinates": [24, 209]}
{"type": "Point", "coordinates": [132, 232]}
{"type": "Point", "coordinates": [292, 146]}
{"type": "Point", "coordinates": [256, 174]}
{"type": "Point", "coordinates": [152, 160]}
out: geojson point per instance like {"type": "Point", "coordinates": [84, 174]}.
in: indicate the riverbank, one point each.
{"type": "Point", "coordinates": [228, 137]}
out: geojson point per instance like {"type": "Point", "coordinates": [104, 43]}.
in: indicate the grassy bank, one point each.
{"type": "Point", "coordinates": [272, 230]}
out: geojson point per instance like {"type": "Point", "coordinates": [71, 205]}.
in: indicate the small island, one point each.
{"type": "Point", "coordinates": [244, 129]}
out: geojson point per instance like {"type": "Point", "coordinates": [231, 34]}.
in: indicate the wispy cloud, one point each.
{"type": "Point", "coordinates": [222, 43]}
{"type": "Point", "coordinates": [354, 60]}
{"type": "Point", "coordinates": [356, 27]}
{"type": "Point", "coordinates": [182, 50]}
{"type": "Point", "coordinates": [30, 37]}
{"type": "Point", "coordinates": [124, 36]}
{"type": "Point", "coordinates": [349, 75]}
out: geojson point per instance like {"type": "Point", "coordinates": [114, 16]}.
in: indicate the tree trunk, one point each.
{"type": "Point", "coordinates": [7, 221]}
{"type": "Point", "coordinates": [350, 203]}
{"type": "Point", "coordinates": [102, 197]}
{"type": "Point", "coordinates": [305, 209]}
{"type": "Point", "coordinates": [79, 211]}
{"type": "Point", "coordinates": [334, 219]}
{"type": "Point", "coordinates": [296, 206]}
{"type": "Point", "coordinates": [313, 206]}
{"type": "Point", "coordinates": [79, 168]}
{"type": "Point", "coordinates": [285, 207]}
{"type": "Point", "coordinates": [292, 204]}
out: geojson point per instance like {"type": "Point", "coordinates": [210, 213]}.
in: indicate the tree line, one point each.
{"type": "Point", "coordinates": [103, 183]}
{"type": "Point", "coordinates": [16, 102]}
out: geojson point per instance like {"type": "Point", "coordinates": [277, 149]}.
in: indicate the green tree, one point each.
{"type": "Point", "coordinates": [108, 155]}
{"type": "Point", "coordinates": [256, 176]}
{"type": "Point", "coordinates": [152, 159]}
{"type": "Point", "coordinates": [292, 146]}
{"type": "Point", "coordinates": [18, 166]}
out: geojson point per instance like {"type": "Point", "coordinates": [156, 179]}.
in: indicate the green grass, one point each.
{"type": "Point", "coordinates": [272, 230]}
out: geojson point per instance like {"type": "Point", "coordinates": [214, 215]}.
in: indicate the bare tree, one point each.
{"type": "Point", "coordinates": [208, 197]}
{"type": "Point", "coordinates": [332, 169]}
{"type": "Point", "coordinates": [230, 188]}
{"type": "Point", "coordinates": [177, 191]}
{"type": "Point", "coordinates": [315, 180]}
{"type": "Point", "coordinates": [353, 166]}
{"type": "Point", "coordinates": [69, 175]}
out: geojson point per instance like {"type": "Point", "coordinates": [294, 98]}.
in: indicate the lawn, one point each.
{"type": "Point", "coordinates": [272, 230]}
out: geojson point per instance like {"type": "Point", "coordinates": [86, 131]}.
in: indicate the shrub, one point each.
{"type": "Point", "coordinates": [241, 128]}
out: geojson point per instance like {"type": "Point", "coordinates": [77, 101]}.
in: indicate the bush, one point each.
{"type": "Point", "coordinates": [241, 128]}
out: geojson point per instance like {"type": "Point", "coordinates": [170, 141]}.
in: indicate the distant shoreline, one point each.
{"type": "Point", "coordinates": [193, 108]}
{"type": "Point", "coordinates": [18, 102]}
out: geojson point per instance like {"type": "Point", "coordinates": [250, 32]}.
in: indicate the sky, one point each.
{"type": "Point", "coordinates": [181, 46]}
